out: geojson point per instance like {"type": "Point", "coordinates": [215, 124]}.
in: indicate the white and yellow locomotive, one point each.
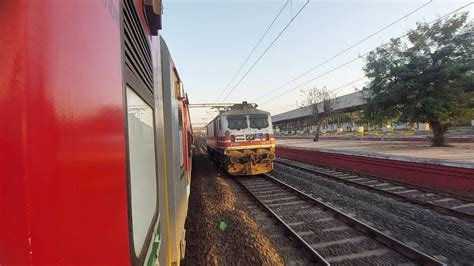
{"type": "Point", "coordinates": [241, 139]}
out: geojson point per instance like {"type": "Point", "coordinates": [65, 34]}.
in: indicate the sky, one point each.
{"type": "Point", "coordinates": [209, 41]}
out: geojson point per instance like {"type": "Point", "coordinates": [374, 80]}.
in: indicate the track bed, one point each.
{"type": "Point", "coordinates": [460, 206]}
{"type": "Point", "coordinates": [442, 236]}
{"type": "Point", "coordinates": [335, 236]}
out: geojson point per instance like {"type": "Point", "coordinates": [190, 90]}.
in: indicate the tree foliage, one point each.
{"type": "Point", "coordinates": [429, 78]}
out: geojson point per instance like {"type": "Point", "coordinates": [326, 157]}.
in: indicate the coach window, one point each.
{"type": "Point", "coordinates": [259, 121]}
{"type": "Point", "coordinates": [141, 148]}
{"type": "Point", "coordinates": [237, 121]}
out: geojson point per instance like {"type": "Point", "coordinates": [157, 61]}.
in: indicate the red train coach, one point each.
{"type": "Point", "coordinates": [95, 135]}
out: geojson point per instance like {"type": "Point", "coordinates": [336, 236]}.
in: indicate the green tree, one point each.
{"type": "Point", "coordinates": [429, 78]}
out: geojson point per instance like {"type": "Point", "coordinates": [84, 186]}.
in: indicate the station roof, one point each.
{"type": "Point", "coordinates": [342, 102]}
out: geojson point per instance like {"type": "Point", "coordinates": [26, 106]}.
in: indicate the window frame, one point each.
{"type": "Point", "coordinates": [132, 82]}
{"type": "Point", "coordinates": [232, 118]}
{"type": "Point", "coordinates": [254, 115]}
{"type": "Point", "coordinates": [181, 153]}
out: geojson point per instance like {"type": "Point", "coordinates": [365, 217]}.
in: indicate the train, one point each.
{"type": "Point", "coordinates": [96, 136]}
{"type": "Point", "coordinates": [241, 140]}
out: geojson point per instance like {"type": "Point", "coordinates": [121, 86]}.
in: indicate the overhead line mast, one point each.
{"type": "Point", "coordinates": [343, 51]}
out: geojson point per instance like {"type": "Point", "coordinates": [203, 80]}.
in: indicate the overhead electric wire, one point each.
{"type": "Point", "coordinates": [345, 50]}
{"type": "Point", "coordinates": [352, 60]}
{"type": "Point", "coordinates": [283, 107]}
{"type": "Point", "coordinates": [347, 84]}
{"type": "Point", "coordinates": [266, 50]}
{"type": "Point", "coordinates": [315, 78]}
{"type": "Point", "coordinates": [253, 50]}
{"type": "Point", "coordinates": [332, 90]}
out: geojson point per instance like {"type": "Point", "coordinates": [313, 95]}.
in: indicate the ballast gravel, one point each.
{"type": "Point", "coordinates": [441, 236]}
{"type": "Point", "coordinates": [213, 200]}
{"type": "Point", "coordinates": [248, 238]}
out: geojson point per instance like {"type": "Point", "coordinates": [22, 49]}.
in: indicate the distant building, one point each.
{"type": "Point", "coordinates": [346, 116]}
{"type": "Point", "coordinates": [346, 111]}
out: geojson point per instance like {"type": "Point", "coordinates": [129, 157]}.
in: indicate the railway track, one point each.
{"type": "Point", "coordinates": [455, 205]}
{"type": "Point", "coordinates": [331, 236]}
{"type": "Point", "coordinates": [292, 247]}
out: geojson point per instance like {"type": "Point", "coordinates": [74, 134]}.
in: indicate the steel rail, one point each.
{"type": "Point", "coordinates": [430, 205]}
{"type": "Point", "coordinates": [384, 163]}
{"type": "Point", "coordinates": [462, 197]}
{"type": "Point", "coordinates": [316, 256]}
{"type": "Point", "coordinates": [388, 241]}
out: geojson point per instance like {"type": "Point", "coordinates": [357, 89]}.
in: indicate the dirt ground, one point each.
{"type": "Point", "coordinates": [214, 200]}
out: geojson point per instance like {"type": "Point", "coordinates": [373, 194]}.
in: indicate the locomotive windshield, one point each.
{"type": "Point", "coordinates": [258, 121]}
{"type": "Point", "coordinates": [237, 121]}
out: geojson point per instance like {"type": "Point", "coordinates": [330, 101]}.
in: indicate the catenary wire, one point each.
{"type": "Point", "coordinates": [332, 90]}
{"type": "Point", "coordinates": [253, 50]}
{"type": "Point", "coordinates": [355, 59]}
{"type": "Point", "coordinates": [266, 50]}
{"type": "Point", "coordinates": [347, 84]}
{"type": "Point", "coordinates": [343, 51]}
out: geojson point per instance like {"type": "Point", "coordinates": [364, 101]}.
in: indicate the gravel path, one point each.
{"type": "Point", "coordinates": [216, 198]}
{"type": "Point", "coordinates": [442, 236]}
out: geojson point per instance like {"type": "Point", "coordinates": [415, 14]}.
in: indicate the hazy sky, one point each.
{"type": "Point", "coordinates": [209, 40]}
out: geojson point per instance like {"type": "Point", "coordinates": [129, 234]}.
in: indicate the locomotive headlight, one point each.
{"type": "Point", "coordinates": [271, 156]}
{"type": "Point", "coordinates": [234, 159]}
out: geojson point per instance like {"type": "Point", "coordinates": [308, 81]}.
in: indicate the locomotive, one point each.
{"type": "Point", "coordinates": [96, 136]}
{"type": "Point", "coordinates": [241, 139]}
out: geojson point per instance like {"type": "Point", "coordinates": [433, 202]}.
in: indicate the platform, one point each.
{"type": "Point", "coordinates": [459, 155]}
{"type": "Point", "coordinates": [449, 169]}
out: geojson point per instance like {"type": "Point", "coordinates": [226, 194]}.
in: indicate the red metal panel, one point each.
{"type": "Point", "coordinates": [388, 138]}
{"type": "Point", "coordinates": [425, 175]}
{"type": "Point", "coordinates": [63, 195]}
{"type": "Point", "coordinates": [14, 245]}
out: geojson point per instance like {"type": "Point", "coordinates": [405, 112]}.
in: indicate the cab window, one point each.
{"type": "Point", "coordinates": [237, 121]}
{"type": "Point", "coordinates": [259, 121]}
